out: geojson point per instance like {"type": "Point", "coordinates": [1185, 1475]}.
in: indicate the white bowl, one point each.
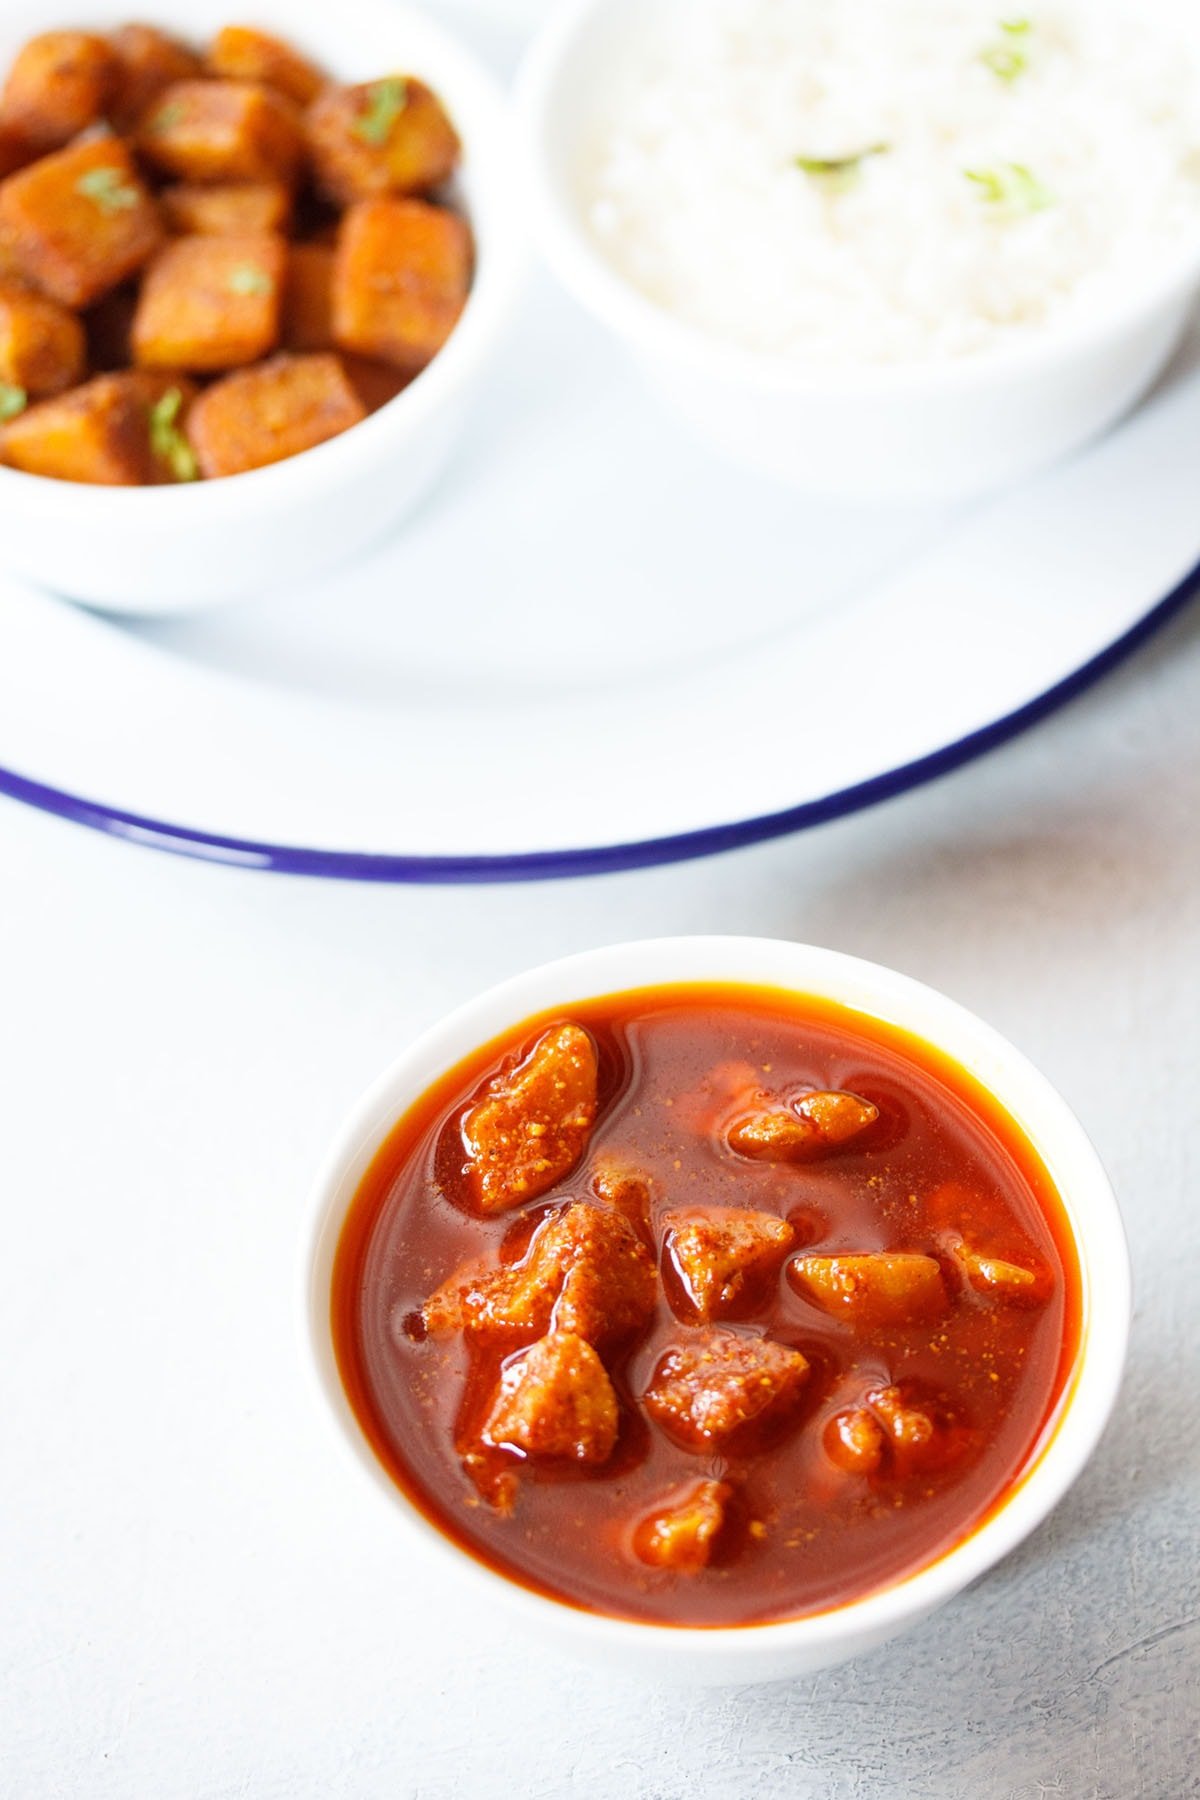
{"type": "Point", "coordinates": [172, 549]}
{"type": "Point", "coordinates": [887, 433]}
{"type": "Point", "coordinates": [800, 1646]}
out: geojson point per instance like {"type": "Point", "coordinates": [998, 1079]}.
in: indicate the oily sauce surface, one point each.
{"type": "Point", "coordinates": [803, 1535]}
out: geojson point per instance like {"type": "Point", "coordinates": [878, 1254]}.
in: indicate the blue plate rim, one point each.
{"type": "Point", "coordinates": [544, 865]}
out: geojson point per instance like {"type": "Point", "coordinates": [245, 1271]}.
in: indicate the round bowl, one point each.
{"type": "Point", "coordinates": [716, 1655]}
{"type": "Point", "coordinates": [903, 432]}
{"type": "Point", "coordinates": [174, 549]}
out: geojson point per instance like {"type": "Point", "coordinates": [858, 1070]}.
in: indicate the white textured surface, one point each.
{"type": "Point", "coordinates": [201, 1602]}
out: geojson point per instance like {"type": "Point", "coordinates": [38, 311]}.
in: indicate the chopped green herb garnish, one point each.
{"type": "Point", "coordinates": [247, 278]}
{"type": "Point", "coordinates": [167, 440]}
{"type": "Point", "coordinates": [108, 188]}
{"type": "Point", "coordinates": [1011, 187]}
{"type": "Point", "coordinates": [169, 116]}
{"type": "Point", "coordinates": [386, 100]}
{"type": "Point", "coordinates": [1005, 63]}
{"type": "Point", "coordinates": [839, 172]}
{"type": "Point", "coordinates": [13, 400]}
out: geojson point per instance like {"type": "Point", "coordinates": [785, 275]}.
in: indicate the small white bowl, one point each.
{"type": "Point", "coordinates": [884, 433]}
{"type": "Point", "coordinates": [174, 549]}
{"type": "Point", "coordinates": [796, 1647]}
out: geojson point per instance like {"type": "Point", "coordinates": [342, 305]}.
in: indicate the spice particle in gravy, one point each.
{"type": "Point", "coordinates": [706, 1305]}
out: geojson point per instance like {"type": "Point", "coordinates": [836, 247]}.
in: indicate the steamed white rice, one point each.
{"type": "Point", "coordinates": [692, 190]}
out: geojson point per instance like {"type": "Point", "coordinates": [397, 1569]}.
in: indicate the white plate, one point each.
{"type": "Point", "coordinates": [598, 647]}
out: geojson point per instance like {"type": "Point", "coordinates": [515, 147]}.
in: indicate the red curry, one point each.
{"type": "Point", "coordinates": [706, 1305]}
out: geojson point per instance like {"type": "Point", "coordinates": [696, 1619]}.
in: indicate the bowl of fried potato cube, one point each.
{"type": "Point", "coordinates": [249, 275]}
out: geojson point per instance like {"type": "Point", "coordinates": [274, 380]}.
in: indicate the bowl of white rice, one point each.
{"type": "Point", "coordinates": [901, 249]}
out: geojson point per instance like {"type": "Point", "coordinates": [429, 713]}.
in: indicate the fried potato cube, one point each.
{"type": "Point", "coordinates": [997, 1279]}
{"type": "Point", "coordinates": [724, 1255]}
{"type": "Point", "coordinates": [238, 209]}
{"type": "Point", "coordinates": [243, 54]}
{"type": "Point", "coordinates": [147, 62]}
{"type": "Point", "coordinates": [308, 297]}
{"type": "Point", "coordinates": [224, 131]}
{"type": "Point", "coordinates": [400, 281]}
{"type": "Point", "coordinates": [99, 433]}
{"type": "Point", "coordinates": [210, 303]}
{"type": "Point", "coordinates": [383, 137]}
{"type": "Point", "coordinates": [682, 1536]}
{"type": "Point", "coordinates": [813, 1126]}
{"type": "Point", "coordinates": [43, 347]}
{"type": "Point", "coordinates": [80, 222]}
{"type": "Point", "coordinates": [60, 83]}
{"type": "Point", "coordinates": [555, 1400]}
{"type": "Point", "coordinates": [721, 1387]}
{"type": "Point", "coordinates": [586, 1271]}
{"type": "Point", "coordinates": [532, 1125]}
{"type": "Point", "coordinates": [266, 414]}
{"type": "Point", "coordinates": [854, 1440]}
{"type": "Point", "coordinates": [881, 1287]}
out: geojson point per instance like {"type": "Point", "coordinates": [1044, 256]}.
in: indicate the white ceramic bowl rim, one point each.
{"type": "Point", "coordinates": [483, 124]}
{"type": "Point", "coordinates": [866, 987]}
{"type": "Point", "coordinates": [584, 270]}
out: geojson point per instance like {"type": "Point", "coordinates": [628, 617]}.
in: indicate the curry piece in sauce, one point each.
{"type": "Point", "coordinates": [667, 1380]}
{"type": "Point", "coordinates": [897, 1426]}
{"type": "Point", "coordinates": [555, 1400]}
{"type": "Point", "coordinates": [530, 1129]}
{"type": "Point", "coordinates": [627, 1192]}
{"type": "Point", "coordinates": [855, 1441]}
{"type": "Point", "coordinates": [1002, 1281]}
{"type": "Point", "coordinates": [585, 1271]}
{"type": "Point", "coordinates": [683, 1536]}
{"type": "Point", "coordinates": [816, 1124]}
{"type": "Point", "coordinates": [723, 1255]}
{"type": "Point", "coordinates": [184, 210]}
{"type": "Point", "coordinates": [721, 1386]}
{"type": "Point", "coordinates": [880, 1287]}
